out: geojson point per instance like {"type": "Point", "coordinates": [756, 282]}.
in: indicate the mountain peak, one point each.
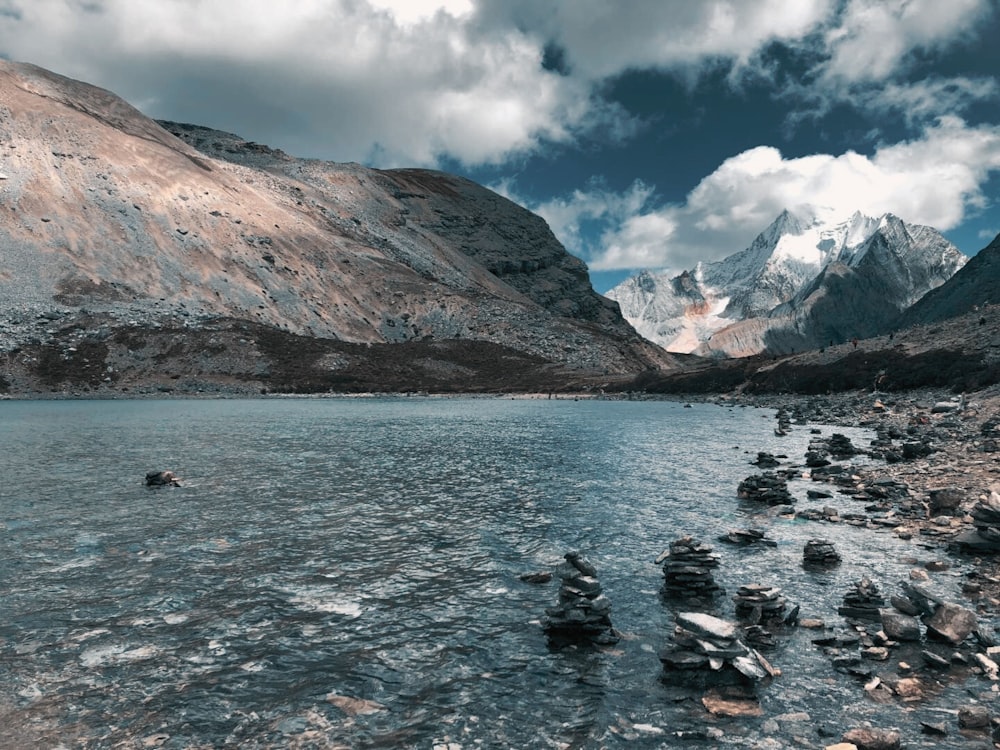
{"type": "Point", "coordinates": [772, 281]}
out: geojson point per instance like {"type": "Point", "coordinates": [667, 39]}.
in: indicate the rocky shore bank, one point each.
{"type": "Point", "coordinates": [931, 475]}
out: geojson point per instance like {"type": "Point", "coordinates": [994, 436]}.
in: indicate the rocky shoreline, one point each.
{"type": "Point", "coordinates": [932, 476]}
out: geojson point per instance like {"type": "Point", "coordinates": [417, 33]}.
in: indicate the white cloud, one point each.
{"type": "Point", "coordinates": [874, 38]}
{"type": "Point", "coordinates": [934, 180]}
{"type": "Point", "coordinates": [342, 79]}
{"type": "Point", "coordinates": [415, 81]}
{"type": "Point", "coordinates": [604, 39]}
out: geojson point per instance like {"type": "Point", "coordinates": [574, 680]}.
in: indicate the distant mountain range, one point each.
{"type": "Point", "coordinates": [801, 284]}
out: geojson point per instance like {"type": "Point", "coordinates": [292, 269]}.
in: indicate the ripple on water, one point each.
{"type": "Point", "coordinates": [374, 554]}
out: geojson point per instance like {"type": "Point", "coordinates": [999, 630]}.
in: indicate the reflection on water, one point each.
{"type": "Point", "coordinates": [344, 573]}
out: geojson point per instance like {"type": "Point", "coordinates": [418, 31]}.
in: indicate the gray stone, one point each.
{"type": "Point", "coordinates": [952, 623]}
{"type": "Point", "coordinates": [900, 627]}
{"type": "Point", "coordinates": [706, 625]}
{"type": "Point", "coordinates": [973, 717]}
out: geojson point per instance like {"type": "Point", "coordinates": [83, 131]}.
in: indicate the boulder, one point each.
{"type": "Point", "coordinates": [900, 627]}
{"type": "Point", "coordinates": [952, 623]}
{"type": "Point", "coordinates": [944, 501]}
{"type": "Point", "coordinates": [973, 717]}
{"type": "Point", "coordinates": [873, 739]}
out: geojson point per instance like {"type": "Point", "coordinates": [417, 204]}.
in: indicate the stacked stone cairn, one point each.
{"type": "Point", "coordinates": [687, 570]}
{"type": "Point", "coordinates": [766, 460]}
{"type": "Point", "coordinates": [709, 650]}
{"type": "Point", "coordinates": [863, 602]}
{"type": "Point", "coordinates": [757, 602]}
{"type": "Point", "coordinates": [819, 553]}
{"type": "Point", "coordinates": [840, 446]}
{"type": "Point", "coordinates": [583, 614]}
{"type": "Point", "coordinates": [765, 488]}
{"type": "Point", "coordinates": [986, 518]}
{"type": "Point", "coordinates": [784, 423]}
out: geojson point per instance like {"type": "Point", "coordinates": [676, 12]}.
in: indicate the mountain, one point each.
{"type": "Point", "coordinates": [800, 284]}
{"type": "Point", "coordinates": [119, 229]}
{"type": "Point", "coordinates": [973, 287]}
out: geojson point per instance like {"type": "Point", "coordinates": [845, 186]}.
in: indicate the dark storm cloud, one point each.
{"type": "Point", "coordinates": [511, 86]}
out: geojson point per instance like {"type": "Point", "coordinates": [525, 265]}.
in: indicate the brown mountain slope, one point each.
{"type": "Point", "coordinates": [110, 221]}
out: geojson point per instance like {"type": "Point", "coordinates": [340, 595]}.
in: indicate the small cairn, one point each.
{"type": "Point", "coordinates": [757, 602]}
{"type": "Point", "coordinates": [687, 570]}
{"type": "Point", "coordinates": [819, 553]}
{"type": "Point", "coordinates": [583, 613]}
{"type": "Point", "coordinates": [784, 423]}
{"type": "Point", "coordinates": [765, 488]}
{"type": "Point", "coordinates": [863, 602]}
{"type": "Point", "coordinates": [747, 538]}
{"type": "Point", "coordinates": [162, 479]}
{"type": "Point", "coordinates": [986, 518]}
{"type": "Point", "coordinates": [710, 648]}
{"type": "Point", "coordinates": [840, 446]}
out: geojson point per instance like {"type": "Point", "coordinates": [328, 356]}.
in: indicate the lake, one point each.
{"type": "Point", "coordinates": [345, 572]}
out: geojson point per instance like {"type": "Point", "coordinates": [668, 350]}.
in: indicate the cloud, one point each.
{"type": "Point", "coordinates": [602, 40]}
{"type": "Point", "coordinates": [874, 38]}
{"type": "Point", "coordinates": [936, 180]}
{"type": "Point", "coordinates": [419, 82]}
{"type": "Point", "coordinates": [341, 79]}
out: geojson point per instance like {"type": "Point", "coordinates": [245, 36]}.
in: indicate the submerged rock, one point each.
{"type": "Point", "coordinates": [162, 479]}
{"type": "Point", "coordinates": [747, 538]}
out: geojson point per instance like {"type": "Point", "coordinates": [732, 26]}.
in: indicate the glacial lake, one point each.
{"type": "Point", "coordinates": [345, 573]}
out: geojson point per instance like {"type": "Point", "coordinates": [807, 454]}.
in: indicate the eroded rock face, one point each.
{"type": "Point", "coordinates": [172, 225]}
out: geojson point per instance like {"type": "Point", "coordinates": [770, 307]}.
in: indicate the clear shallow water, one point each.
{"type": "Point", "coordinates": [370, 549]}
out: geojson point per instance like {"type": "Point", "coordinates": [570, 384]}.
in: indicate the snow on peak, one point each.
{"type": "Point", "coordinates": [679, 311]}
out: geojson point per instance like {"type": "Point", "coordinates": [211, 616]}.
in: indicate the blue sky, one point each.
{"type": "Point", "coordinates": [649, 133]}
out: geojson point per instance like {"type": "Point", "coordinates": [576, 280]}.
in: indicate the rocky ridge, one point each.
{"type": "Point", "coordinates": [799, 285]}
{"type": "Point", "coordinates": [120, 227]}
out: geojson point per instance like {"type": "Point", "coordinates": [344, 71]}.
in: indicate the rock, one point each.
{"type": "Point", "coordinates": [938, 729]}
{"type": "Point", "coordinates": [973, 717]}
{"type": "Point", "coordinates": [540, 577]}
{"type": "Point", "coordinates": [765, 460]}
{"type": "Point", "coordinates": [354, 706]}
{"type": "Point", "coordinates": [707, 649]}
{"type": "Point", "coordinates": [719, 704]}
{"type": "Point", "coordinates": [842, 746]}
{"type": "Point", "coordinates": [934, 660]}
{"type": "Point", "coordinates": [900, 627]}
{"type": "Point", "coordinates": [765, 488]}
{"type": "Point", "coordinates": [911, 451]}
{"type": "Point", "coordinates": [945, 501]}
{"type": "Point", "coordinates": [747, 538]}
{"type": "Point", "coordinates": [952, 623]}
{"type": "Point", "coordinates": [706, 625]}
{"type": "Point", "coordinates": [162, 479]}
{"type": "Point", "coordinates": [819, 553]}
{"type": "Point", "coordinates": [873, 739]}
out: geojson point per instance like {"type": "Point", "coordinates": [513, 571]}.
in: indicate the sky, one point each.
{"type": "Point", "coordinates": [648, 133]}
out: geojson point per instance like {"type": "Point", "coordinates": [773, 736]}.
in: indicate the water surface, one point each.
{"type": "Point", "coordinates": [344, 572]}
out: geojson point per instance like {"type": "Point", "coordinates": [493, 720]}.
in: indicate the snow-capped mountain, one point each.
{"type": "Point", "coordinates": [801, 283]}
